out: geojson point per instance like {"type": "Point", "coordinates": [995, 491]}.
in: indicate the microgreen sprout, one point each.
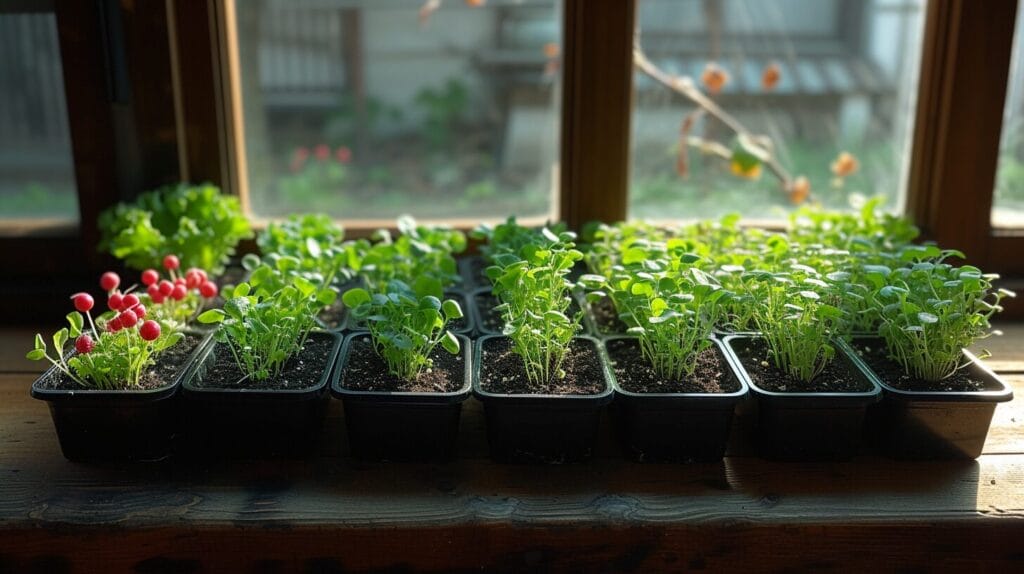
{"type": "Point", "coordinates": [672, 308]}
{"type": "Point", "coordinates": [535, 298]}
{"type": "Point", "coordinates": [406, 324]}
{"type": "Point", "coordinates": [266, 320]}
{"type": "Point", "coordinates": [797, 318]}
{"type": "Point", "coordinates": [419, 250]}
{"type": "Point", "coordinates": [931, 310]}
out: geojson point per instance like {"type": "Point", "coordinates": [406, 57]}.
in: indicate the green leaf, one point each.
{"type": "Point", "coordinates": [313, 247]}
{"type": "Point", "coordinates": [355, 297]}
{"type": "Point", "coordinates": [35, 354]}
{"type": "Point", "coordinates": [451, 310]}
{"type": "Point", "coordinates": [450, 343]}
{"type": "Point", "coordinates": [326, 297]}
{"type": "Point", "coordinates": [76, 322]}
{"type": "Point", "coordinates": [40, 344]}
{"type": "Point", "coordinates": [59, 338]}
{"type": "Point", "coordinates": [927, 318]}
{"type": "Point", "coordinates": [250, 261]}
{"type": "Point", "coordinates": [211, 316]}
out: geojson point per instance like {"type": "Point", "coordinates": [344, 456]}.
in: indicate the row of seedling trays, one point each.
{"type": "Point", "coordinates": [838, 329]}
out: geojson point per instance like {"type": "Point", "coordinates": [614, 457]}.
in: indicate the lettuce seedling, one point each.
{"type": "Point", "coordinates": [267, 320]}
{"type": "Point", "coordinates": [198, 223]}
{"type": "Point", "coordinates": [535, 297]}
{"type": "Point", "coordinates": [406, 324]}
{"type": "Point", "coordinates": [931, 310]}
{"type": "Point", "coordinates": [796, 314]}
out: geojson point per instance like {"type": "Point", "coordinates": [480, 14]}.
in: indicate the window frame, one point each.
{"type": "Point", "coordinates": [166, 132]}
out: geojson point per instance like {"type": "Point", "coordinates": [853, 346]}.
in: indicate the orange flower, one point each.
{"type": "Point", "coordinates": [551, 50]}
{"type": "Point", "coordinates": [746, 171]}
{"type": "Point", "coordinates": [799, 190]}
{"type": "Point", "coordinates": [714, 78]}
{"type": "Point", "coordinates": [845, 164]}
{"type": "Point", "coordinates": [771, 76]}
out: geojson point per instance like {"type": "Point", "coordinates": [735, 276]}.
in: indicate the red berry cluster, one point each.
{"type": "Point", "coordinates": [129, 312]}
{"type": "Point", "coordinates": [177, 287]}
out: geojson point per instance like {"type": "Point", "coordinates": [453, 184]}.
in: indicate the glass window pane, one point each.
{"type": "Point", "coordinates": [815, 77]}
{"type": "Point", "coordinates": [37, 176]}
{"type": "Point", "coordinates": [367, 109]}
{"type": "Point", "coordinates": [1008, 202]}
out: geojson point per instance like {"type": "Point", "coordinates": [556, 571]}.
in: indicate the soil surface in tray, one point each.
{"type": "Point", "coordinates": [302, 371]}
{"type": "Point", "coordinates": [491, 320]}
{"type": "Point", "coordinates": [167, 365]}
{"type": "Point", "coordinates": [875, 354]}
{"type": "Point", "coordinates": [839, 376]}
{"type": "Point", "coordinates": [502, 371]}
{"type": "Point", "coordinates": [365, 370]}
{"type": "Point", "coordinates": [606, 319]}
{"type": "Point", "coordinates": [635, 374]}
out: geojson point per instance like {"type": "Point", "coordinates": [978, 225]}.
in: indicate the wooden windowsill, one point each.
{"type": "Point", "coordinates": [332, 513]}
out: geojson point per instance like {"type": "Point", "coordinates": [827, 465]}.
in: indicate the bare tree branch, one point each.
{"type": "Point", "coordinates": [685, 87]}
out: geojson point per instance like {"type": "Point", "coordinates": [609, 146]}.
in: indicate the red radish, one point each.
{"type": "Point", "coordinates": [109, 281]}
{"type": "Point", "coordinates": [150, 277]}
{"type": "Point", "coordinates": [171, 262]}
{"type": "Point", "coordinates": [114, 301]}
{"type": "Point", "coordinates": [202, 273]}
{"type": "Point", "coordinates": [140, 310]}
{"type": "Point", "coordinates": [128, 301]}
{"type": "Point", "coordinates": [159, 298]}
{"type": "Point", "coordinates": [208, 289]}
{"type": "Point", "coordinates": [153, 291]}
{"type": "Point", "coordinates": [84, 344]}
{"type": "Point", "coordinates": [179, 292]}
{"type": "Point", "coordinates": [83, 302]}
{"type": "Point", "coordinates": [166, 287]}
{"type": "Point", "coordinates": [181, 281]}
{"type": "Point", "coordinates": [114, 325]}
{"type": "Point", "coordinates": [150, 330]}
{"type": "Point", "coordinates": [193, 278]}
{"type": "Point", "coordinates": [128, 319]}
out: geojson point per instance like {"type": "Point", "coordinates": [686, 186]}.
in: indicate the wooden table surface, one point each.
{"type": "Point", "coordinates": [334, 514]}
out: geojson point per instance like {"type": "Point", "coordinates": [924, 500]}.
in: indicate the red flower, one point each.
{"type": "Point", "coordinates": [299, 158]}
{"type": "Point", "coordinates": [322, 152]}
{"type": "Point", "coordinates": [343, 154]}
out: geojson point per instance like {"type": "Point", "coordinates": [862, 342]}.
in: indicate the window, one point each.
{"type": "Point", "coordinates": [368, 109]}
{"type": "Point", "coordinates": [817, 77]}
{"type": "Point", "coordinates": [37, 179]}
{"type": "Point", "coordinates": [1008, 202]}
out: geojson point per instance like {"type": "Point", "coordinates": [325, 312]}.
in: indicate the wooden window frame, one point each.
{"type": "Point", "coordinates": [179, 124]}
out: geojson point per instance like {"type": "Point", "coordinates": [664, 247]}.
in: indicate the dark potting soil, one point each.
{"type": "Point", "coordinates": [839, 376]}
{"type": "Point", "coordinates": [636, 375]}
{"type": "Point", "coordinates": [333, 315]}
{"type": "Point", "coordinates": [167, 365]}
{"type": "Point", "coordinates": [492, 321]}
{"type": "Point", "coordinates": [457, 325]}
{"type": "Point", "coordinates": [606, 318]}
{"type": "Point", "coordinates": [365, 370]}
{"type": "Point", "coordinates": [502, 371]}
{"type": "Point", "coordinates": [302, 371]}
{"type": "Point", "coordinates": [876, 355]}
